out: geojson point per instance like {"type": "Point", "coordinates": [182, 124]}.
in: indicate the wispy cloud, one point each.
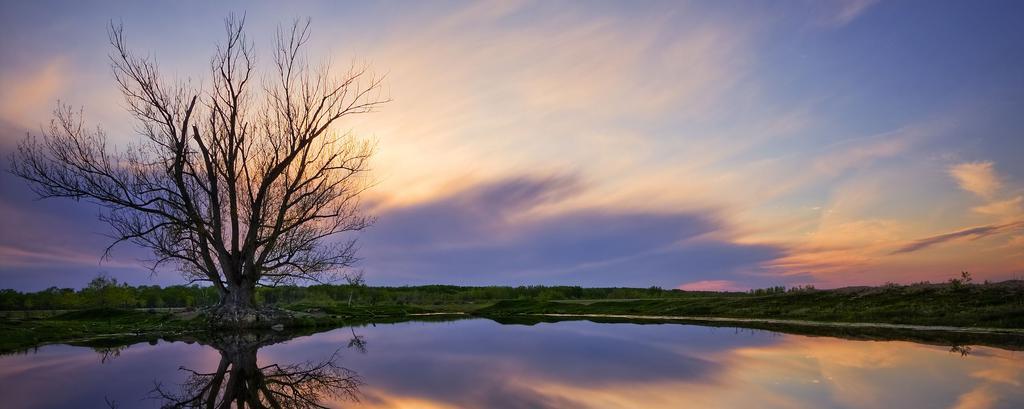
{"type": "Point", "coordinates": [981, 179]}
{"type": "Point", "coordinates": [552, 95]}
{"type": "Point", "coordinates": [977, 177]}
{"type": "Point", "coordinates": [27, 94]}
{"type": "Point", "coordinates": [845, 11]}
{"type": "Point", "coordinates": [971, 233]}
{"type": "Point", "coordinates": [711, 285]}
{"type": "Point", "coordinates": [1003, 209]}
{"type": "Point", "coordinates": [498, 233]}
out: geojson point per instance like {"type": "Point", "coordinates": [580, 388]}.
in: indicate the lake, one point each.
{"type": "Point", "coordinates": [478, 363]}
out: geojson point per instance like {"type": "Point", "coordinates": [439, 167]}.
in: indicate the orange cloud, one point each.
{"type": "Point", "coordinates": [1002, 209]}
{"type": "Point", "coordinates": [977, 177]}
{"type": "Point", "coordinates": [27, 97]}
{"type": "Point", "coordinates": [546, 97]}
{"type": "Point", "coordinates": [710, 285]}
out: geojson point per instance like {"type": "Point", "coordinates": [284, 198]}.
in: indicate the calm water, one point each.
{"type": "Point", "coordinates": [480, 363]}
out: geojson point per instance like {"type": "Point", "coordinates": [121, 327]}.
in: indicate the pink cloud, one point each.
{"type": "Point", "coordinates": [711, 285]}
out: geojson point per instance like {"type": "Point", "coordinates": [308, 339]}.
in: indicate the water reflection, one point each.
{"type": "Point", "coordinates": [358, 342]}
{"type": "Point", "coordinates": [963, 350]}
{"type": "Point", "coordinates": [483, 364]}
{"type": "Point", "coordinates": [239, 381]}
{"type": "Point", "coordinates": [109, 353]}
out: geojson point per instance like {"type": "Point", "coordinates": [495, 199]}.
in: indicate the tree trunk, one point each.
{"type": "Point", "coordinates": [239, 297]}
{"type": "Point", "coordinates": [237, 309]}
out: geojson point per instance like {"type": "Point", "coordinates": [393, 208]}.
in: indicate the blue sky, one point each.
{"type": "Point", "coordinates": [719, 145]}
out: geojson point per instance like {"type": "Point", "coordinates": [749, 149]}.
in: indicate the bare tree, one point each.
{"type": "Point", "coordinates": [239, 183]}
{"type": "Point", "coordinates": [355, 281]}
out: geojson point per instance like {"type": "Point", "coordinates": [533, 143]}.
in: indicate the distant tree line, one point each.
{"type": "Point", "coordinates": [781, 289]}
{"type": "Point", "coordinates": [107, 292]}
{"type": "Point", "coordinates": [104, 291]}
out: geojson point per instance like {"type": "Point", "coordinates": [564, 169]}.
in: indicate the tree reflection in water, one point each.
{"type": "Point", "coordinates": [108, 354]}
{"type": "Point", "coordinates": [240, 382]}
{"type": "Point", "coordinates": [963, 350]}
{"type": "Point", "coordinates": [357, 342]}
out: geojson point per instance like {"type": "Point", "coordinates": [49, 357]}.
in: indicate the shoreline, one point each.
{"type": "Point", "coordinates": [808, 323]}
{"type": "Point", "coordinates": [128, 331]}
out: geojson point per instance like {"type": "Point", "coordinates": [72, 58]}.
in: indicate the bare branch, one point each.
{"type": "Point", "coordinates": [237, 185]}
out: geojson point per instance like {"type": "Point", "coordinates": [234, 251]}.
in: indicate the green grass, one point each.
{"type": "Point", "coordinates": [19, 332]}
{"type": "Point", "coordinates": [356, 311]}
{"type": "Point", "coordinates": [999, 305]}
{"type": "Point", "coordinates": [85, 324]}
{"type": "Point", "coordinates": [994, 305]}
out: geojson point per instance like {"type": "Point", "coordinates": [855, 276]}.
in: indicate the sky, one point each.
{"type": "Point", "coordinates": [698, 145]}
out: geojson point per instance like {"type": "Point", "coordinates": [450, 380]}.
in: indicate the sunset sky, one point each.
{"type": "Point", "coordinates": [704, 145]}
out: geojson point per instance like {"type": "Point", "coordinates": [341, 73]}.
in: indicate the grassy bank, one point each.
{"type": "Point", "coordinates": [21, 331]}
{"type": "Point", "coordinates": [24, 332]}
{"type": "Point", "coordinates": [997, 305]}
